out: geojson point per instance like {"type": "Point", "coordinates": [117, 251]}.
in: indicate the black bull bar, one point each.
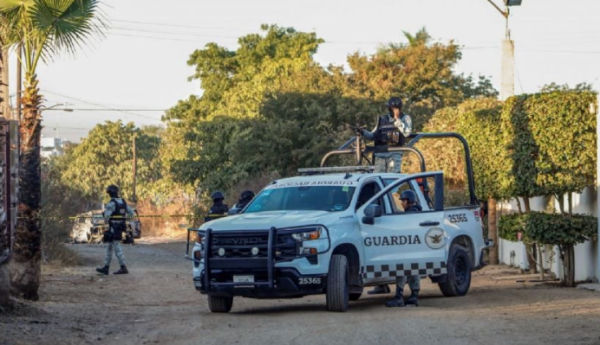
{"type": "Point", "coordinates": [267, 263]}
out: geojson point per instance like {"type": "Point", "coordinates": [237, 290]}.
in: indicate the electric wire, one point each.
{"type": "Point", "coordinates": [100, 105]}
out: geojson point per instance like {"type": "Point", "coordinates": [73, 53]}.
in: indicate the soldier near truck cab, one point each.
{"type": "Point", "coordinates": [218, 208]}
{"type": "Point", "coordinates": [391, 130]}
{"type": "Point", "coordinates": [244, 200]}
{"type": "Point", "coordinates": [116, 213]}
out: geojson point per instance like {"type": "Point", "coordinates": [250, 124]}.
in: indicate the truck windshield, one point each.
{"type": "Point", "coordinates": [313, 198]}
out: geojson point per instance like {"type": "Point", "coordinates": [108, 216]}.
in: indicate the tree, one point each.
{"type": "Point", "coordinates": [268, 107]}
{"type": "Point", "coordinates": [43, 28]}
{"type": "Point", "coordinates": [105, 157]}
{"type": "Point", "coordinates": [420, 72]}
{"type": "Point", "coordinates": [551, 138]}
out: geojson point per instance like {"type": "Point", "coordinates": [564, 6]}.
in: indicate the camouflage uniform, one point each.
{"type": "Point", "coordinates": [116, 243]}
{"type": "Point", "coordinates": [390, 161]}
{"type": "Point", "coordinates": [414, 282]}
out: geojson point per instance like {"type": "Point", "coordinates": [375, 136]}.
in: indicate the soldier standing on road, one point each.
{"type": "Point", "coordinates": [116, 213]}
{"type": "Point", "coordinates": [392, 130]}
{"type": "Point", "coordinates": [408, 198]}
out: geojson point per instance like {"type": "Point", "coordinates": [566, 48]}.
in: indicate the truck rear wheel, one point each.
{"type": "Point", "coordinates": [458, 279]}
{"type": "Point", "coordinates": [338, 284]}
{"type": "Point", "coordinates": [219, 304]}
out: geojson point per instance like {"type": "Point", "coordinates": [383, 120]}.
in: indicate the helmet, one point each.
{"type": "Point", "coordinates": [409, 195]}
{"type": "Point", "coordinates": [394, 102]}
{"type": "Point", "coordinates": [217, 195]}
{"type": "Point", "coordinates": [112, 190]}
{"type": "Point", "coordinates": [247, 195]}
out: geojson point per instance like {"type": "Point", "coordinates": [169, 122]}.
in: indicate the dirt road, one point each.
{"type": "Point", "coordinates": [157, 304]}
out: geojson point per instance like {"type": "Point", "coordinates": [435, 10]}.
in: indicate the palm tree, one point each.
{"type": "Point", "coordinates": [42, 28]}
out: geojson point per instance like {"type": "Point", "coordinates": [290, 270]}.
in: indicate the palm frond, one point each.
{"type": "Point", "coordinates": [69, 23]}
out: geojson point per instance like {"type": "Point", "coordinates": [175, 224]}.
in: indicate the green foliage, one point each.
{"type": "Point", "coordinates": [105, 157]}
{"type": "Point", "coordinates": [479, 123]}
{"type": "Point", "coordinates": [59, 200]}
{"type": "Point", "coordinates": [551, 139]}
{"type": "Point", "coordinates": [549, 228]}
{"type": "Point", "coordinates": [268, 107]}
{"type": "Point", "coordinates": [421, 73]}
{"type": "Point", "coordinates": [478, 120]}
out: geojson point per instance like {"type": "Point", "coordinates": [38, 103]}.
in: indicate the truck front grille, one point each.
{"type": "Point", "coordinates": [240, 246]}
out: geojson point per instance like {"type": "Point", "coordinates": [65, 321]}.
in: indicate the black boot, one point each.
{"type": "Point", "coordinates": [122, 270]}
{"type": "Point", "coordinates": [379, 290]}
{"type": "Point", "coordinates": [412, 300]}
{"type": "Point", "coordinates": [103, 270]}
{"type": "Point", "coordinates": [397, 301]}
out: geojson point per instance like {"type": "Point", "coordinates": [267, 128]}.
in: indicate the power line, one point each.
{"type": "Point", "coordinates": [174, 33]}
{"type": "Point", "coordinates": [101, 106]}
{"type": "Point", "coordinates": [152, 37]}
{"type": "Point", "coordinates": [179, 25]}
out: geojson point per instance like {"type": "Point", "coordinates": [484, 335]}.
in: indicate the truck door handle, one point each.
{"type": "Point", "coordinates": [429, 223]}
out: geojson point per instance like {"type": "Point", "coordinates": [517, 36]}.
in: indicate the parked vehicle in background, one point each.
{"type": "Point", "coordinates": [89, 227]}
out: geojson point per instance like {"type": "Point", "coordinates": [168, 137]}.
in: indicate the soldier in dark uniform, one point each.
{"type": "Point", "coordinates": [218, 208]}
{"type": "Point", "coordinates": [408, 198]}
{"type": "Point", "coordinates": [116, 213]}
{"type": "Point", "coordinates": [391, 130]}
{"type": "Point", "coordinates": [244, 200]}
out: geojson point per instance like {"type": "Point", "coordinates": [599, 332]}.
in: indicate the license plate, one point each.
{"type": "Point", "coordinates": [243, 279]}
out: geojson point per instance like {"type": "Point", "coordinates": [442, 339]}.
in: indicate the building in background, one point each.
{"type": "Point", "coordinates": [51, 147]}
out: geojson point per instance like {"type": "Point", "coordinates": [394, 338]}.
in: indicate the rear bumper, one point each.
{"type": "Point", "coordinates": [287, 283]}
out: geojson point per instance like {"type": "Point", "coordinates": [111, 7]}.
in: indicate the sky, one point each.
{"type": "Point", "coordinates": [141, 62]}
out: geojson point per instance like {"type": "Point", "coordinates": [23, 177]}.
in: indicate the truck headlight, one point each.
{"type": "Point", "coordinates": [312, 234]}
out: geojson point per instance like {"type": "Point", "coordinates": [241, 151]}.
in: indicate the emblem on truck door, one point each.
{"type": "Point", "coordinates": [435, 238]}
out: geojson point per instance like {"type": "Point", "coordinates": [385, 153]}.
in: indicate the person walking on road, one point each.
{"type": "Point", "coordinates": [116, 213]}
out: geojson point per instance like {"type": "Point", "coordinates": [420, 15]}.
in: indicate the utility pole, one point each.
{"type": "Point", "coordinates": [507, 83]}
{"type": "Point", "coordinates": [507, 89]}
{"type": "Point", "coordinates": [134, 198]}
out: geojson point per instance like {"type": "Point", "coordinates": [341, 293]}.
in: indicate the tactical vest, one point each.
{"type": "Point", "coordinates": [117, 221]}
{"type": "Point", "coordinates": [388, 134]}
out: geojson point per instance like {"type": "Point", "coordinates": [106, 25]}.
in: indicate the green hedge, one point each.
{"type": "Point", "coordinates": [551, 142]}
{"type": "Point", "coordinates": [549, 228]}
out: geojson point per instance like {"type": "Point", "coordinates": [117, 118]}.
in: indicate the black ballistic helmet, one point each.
{"type": "Point", "coordinates": [408, 195]}
{"type": "Point", "coordinates": [217, 196]}
{"type": "Point", "coordinates": [112, 190]}
{"type": "Point", "coordinates": [394, 102]}
{"type": "Point", "coordinates": [247, 195]}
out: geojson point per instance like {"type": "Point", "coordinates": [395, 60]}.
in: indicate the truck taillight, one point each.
{"type": "Point", "coordinates": [197, 255]}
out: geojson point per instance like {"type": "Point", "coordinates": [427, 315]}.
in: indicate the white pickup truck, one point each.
{"type": "Point", "coordinates": [335, 231]}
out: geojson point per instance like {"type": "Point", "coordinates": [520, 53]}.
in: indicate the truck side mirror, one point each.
{"type": "Point", "coordinates": [371, 212]}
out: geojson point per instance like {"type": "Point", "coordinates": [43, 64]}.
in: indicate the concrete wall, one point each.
{"type": "Point", "coordinates": [586, 254]}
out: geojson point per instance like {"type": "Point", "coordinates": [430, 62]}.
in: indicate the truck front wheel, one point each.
{"type": "Point", "coordinates": [458, 279]}
{"type": "Point", "coordinates": [219, 304]}
{"type": "Point", "coordinates": [337, 284]}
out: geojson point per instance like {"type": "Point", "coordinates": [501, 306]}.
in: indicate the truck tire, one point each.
{"type": "Point", "coordinates": [338, 284]}
{"type": "Point", "coordinates": [219, 304]}
{"type": "Point", "coordinates": [458, 279]}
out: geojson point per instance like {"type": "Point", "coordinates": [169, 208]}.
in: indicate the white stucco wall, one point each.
{"type": "Point", "coordinates": [587, 258]}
